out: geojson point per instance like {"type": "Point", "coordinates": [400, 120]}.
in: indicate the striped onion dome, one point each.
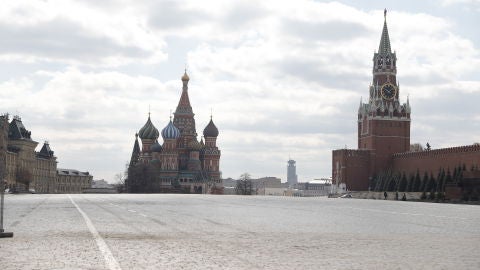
{"type": "Point", "coordinates": [170, 131]}
{"type": "Point", "coordinates": [148, 131]}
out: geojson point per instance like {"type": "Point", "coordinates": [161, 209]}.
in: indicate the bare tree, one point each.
{"type": "Point", "coordinates": [244, 185]}
{"type": "Point", "coordinates": [24, 177]}
{"type": "Point", "coordinates": [119, 182]}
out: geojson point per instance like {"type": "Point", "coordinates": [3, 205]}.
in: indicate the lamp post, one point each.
{"type": "Point", "coordinates": [3, 234]}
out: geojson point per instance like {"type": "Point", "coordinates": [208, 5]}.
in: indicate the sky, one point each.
{"type": "Point", "coordinates": [282, 79]}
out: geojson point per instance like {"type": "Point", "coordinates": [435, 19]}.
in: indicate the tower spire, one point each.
{"type": "Point", "coordinates": [135, 152]}
{"type": "Point", "coordinates": [384, 46]}
{"type": "Point", "coordinates": [183, 115]}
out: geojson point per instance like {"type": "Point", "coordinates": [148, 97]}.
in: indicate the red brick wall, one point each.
{"type": "Point", "coordinates": [431, 161]}
{"type": "Point", "coordinates": [352, 168]}
{"type": "Point", "coordinates": [384, 138]}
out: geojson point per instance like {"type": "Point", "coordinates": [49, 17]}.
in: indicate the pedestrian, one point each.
{"type": "Point", "coordinates": [396, 196]}
{"type": "Point", "coordinates": [385, 195]}
{"type": "Point", "coordinates": [404, 197]}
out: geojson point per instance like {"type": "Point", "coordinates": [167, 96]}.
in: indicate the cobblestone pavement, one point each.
{"type": "Point", "coordinates": [157, 231]}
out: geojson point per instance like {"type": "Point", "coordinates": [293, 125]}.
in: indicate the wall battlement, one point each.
{"type": "Point", "coordinates": [439, 152]}
{"type": "Point", "coordinates": [352, 152]}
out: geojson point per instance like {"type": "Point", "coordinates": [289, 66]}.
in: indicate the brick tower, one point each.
{"type": "Point", "coordinates": [184, 120]}
{"type": "Point", "coordinates": [383, 122]}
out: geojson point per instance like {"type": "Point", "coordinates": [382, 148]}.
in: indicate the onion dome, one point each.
{"type": "Point", "coordinates": [170, 131]}
{"type": "Point", "coordinates": [148, 131]}
{"type": "Point", "coordinates": [185, 77]}
{"type": "Point", "coordinates": [195, 145]}
{"type": "Point", "coordinates": [210, 130]}
{"type": "Point", "coordinates": [156, 147]}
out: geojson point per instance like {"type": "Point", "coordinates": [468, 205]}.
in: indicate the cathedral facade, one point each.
{"type": "Point", "coordinates": [181, 163]}
{"type": "Point", "coordinates": [384, 159]}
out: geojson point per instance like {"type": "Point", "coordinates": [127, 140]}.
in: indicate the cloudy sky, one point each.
{"type": "Point", "coordinates": [283, 78]}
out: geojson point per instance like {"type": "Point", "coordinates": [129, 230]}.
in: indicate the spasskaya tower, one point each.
{"type": "Point", "coordinates": [383, 125]}
{"type": "Point", "coordinates": [383, 122]}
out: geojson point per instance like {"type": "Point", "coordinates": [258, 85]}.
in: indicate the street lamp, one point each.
{"type": "Point", "coordinates": [3, 234]}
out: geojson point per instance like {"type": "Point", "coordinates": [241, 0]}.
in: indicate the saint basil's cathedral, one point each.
{"type": "Point", "coordinates": [384, 160]}
{"type": "Point", "coordinates": [181, 163]}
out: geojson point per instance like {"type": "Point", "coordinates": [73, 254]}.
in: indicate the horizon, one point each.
{"type": "Point", "coordinates": [281, 80]}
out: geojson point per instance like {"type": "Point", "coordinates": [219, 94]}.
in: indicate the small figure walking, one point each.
{"type": "Point", "coordinates": [396, 196]}
{"type": "Point", "coordinates": [404, 197]}
{"type": "Point", "coordinates": [385, 195]}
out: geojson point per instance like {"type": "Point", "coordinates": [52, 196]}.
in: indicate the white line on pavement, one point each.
{"type": "Point", "coordinates": [143, 215]}
{"type": "Point", "coordinates": [133, 211]}
{"type": "Point", "coordinates": [107, 254]}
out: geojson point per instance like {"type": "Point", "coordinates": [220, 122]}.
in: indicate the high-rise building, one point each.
{"type": "Point", "coordinates": [292, 173]}
{"type": "Point", "coordinates": [181, 163]}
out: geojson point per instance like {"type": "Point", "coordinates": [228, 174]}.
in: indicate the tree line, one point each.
{"type": "Point", "coordinates": [400, 182]}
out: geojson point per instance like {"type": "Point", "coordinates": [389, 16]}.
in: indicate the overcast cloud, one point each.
{"type": "Point", "coordinates": [283, 78]}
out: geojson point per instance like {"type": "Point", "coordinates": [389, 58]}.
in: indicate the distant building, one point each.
{"type": "Point", "coordinates": [314, 188]}
{"type": "Point", "coordinates": [25, 169]}
{"type": "Point", "coordinates": [181, 163]}
{"type": "Point", "coordinates": [268, 186]}
{"type": "Point", "coordinates": [101, 186]}
{"type": "Point", "coordinates": [229, 185]}
{"type": "Point", "coordinates": [72, 181]}
{"type": "Point", "coordinates": [292, 173]}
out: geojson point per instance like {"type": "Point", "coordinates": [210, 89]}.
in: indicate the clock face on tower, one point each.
{"type": "Point", "coordinates": [388, 91]}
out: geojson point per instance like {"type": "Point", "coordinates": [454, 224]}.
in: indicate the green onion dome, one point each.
{"type": "Point", "coordinates": [148, 131]}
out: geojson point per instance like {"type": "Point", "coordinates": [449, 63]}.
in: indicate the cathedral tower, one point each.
{"type": "Point", "coordinates": [211, 153]}
{"type": "Point", "coordinates": [185, 122]}
{"type": "Point", "coordinates": [149, 135]}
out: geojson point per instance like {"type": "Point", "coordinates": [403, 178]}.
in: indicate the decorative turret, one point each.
{"type": "Point", "coordinates": [17, 130]}
{"type": "Point", "coordinates": [185, 79]}
{"type": "Point", "coordinates": [170, 131]}
{"type": "Point", "coordinates": [148, 134]}
{"type": "Point", "coordinates": [211, 133]}
{"type": "Point", "coordinates": [148, 131]}
{"type": "Point", "coordinates": [194, 157]}
{"type": "Point", "coordinates": [210, 130]}
{"type": "Point", "coordinates": [169, 154]}
{"type": "Point", "coordinates": [210, 153]}
{"type": "Point", "coordinates": [184, 116]}
{"type": "Point", "coordinates": [135, 152]}
{"type": "Point", "coordinates": [45, 152]}
{"type": "Point", "coordinates": [384, 47]}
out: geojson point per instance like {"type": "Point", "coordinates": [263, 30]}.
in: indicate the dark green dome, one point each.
{"type": "Point", "coordinates": [148, 131]}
